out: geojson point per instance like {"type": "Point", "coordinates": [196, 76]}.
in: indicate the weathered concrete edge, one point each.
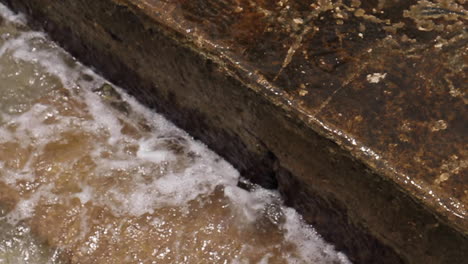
{"type": "Point", "coordinates": [248, 126]}
{"type": "Point", "coordinates": [441, 203]}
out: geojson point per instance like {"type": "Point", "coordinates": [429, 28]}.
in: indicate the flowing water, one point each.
{"type": "Point", "coordinates": [88, 175]}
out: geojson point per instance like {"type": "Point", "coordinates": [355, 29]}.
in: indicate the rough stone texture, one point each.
{"type": "Point", "coordinates": [355, 111]}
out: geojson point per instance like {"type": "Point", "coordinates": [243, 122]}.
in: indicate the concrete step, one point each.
{"type": "Point", "coordinates": [355, 111]}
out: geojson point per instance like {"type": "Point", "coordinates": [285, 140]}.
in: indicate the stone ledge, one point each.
{"type": "Point", "coordinates": [354, 112]}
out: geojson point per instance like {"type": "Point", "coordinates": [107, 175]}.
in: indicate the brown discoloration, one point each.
{"type": "Point", "coordinates": [17, 161]}
{"type": "Point", "coordinates": [169, 235]}
{"type": "Point", "coordinates": [372, 152]}
{"type": "Point", "coordinates": [8, 199]}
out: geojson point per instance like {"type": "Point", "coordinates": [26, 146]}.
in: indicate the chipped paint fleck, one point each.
{"type": "Point", "coordinates": [376, 77]}
{"type": "Point", "coordinates": [442, 178]}
{"type": "Point", "coordinates": [439, 125]}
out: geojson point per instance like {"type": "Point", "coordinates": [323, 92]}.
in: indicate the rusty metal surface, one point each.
{"type": "Point", "coordinates": [385, 79]}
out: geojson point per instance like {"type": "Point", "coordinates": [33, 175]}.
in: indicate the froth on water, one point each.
{"type": "Point", "coordinates": [88, 175]}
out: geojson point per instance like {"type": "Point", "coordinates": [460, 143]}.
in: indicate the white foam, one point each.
{"type": "Point", "coordinates": [310, 245]}
{"type": "Point", "coordinates": [265, 258]}
{"type": "Point", "coordinates": [25, 208]}
{"type": "Point", "coordinates": [148, 152]}
{"type": "Point", "coordinates": [86, 194]}
{"type": "Point", "coordinates": [5, 135]}
{"type": "Point", "coordinates": [248, 204]}
{"type": "Point", "coordinates": [104, 118]}
{"type": "Point", "coordinates": [11, 16]}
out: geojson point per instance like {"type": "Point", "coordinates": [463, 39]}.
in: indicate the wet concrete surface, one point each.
{"type": "Point", "coordinates": [356, 111]}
